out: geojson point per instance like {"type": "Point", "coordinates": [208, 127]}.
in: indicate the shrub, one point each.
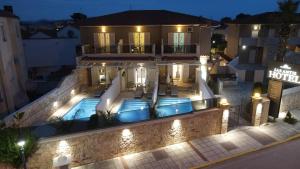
{"type": "Point", "coordinates": [9, 150]}
{"type": "Point", "coordinates": [93, 122]}
{"type": "Point", "coordinates": [289, 118]}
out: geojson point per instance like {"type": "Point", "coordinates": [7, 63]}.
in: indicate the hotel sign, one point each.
{"type": "Point", "coordinates": [284, 72]}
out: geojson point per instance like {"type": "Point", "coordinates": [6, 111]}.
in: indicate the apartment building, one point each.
{"type": "Point", "coordinates": [142, 42]}
{"type": "Point", "coordinates": [13, 74]}
{"type": "Point", "coordinates": [253, 42]}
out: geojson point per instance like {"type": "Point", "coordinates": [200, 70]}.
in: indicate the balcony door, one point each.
{"type": "Point", "coordinates": [178, 41]}
{"type": "Point", "coordinates": [138, 41]}
{"type": "Point", "coordinates": [103, 42]}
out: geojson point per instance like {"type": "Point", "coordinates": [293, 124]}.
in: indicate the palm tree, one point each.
{"type": "Point", "coordinates": [288, 10]}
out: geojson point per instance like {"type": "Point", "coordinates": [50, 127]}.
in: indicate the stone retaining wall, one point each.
{"type": "Point", "coordinates": [42, 108]}
{"type": "Point", "coordinates": [290, 99]}
{"type": "Point", "coordinates": [97, 145]}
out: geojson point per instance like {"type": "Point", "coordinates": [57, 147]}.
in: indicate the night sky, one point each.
{"type": "Point", "coordinates": [29, 10]}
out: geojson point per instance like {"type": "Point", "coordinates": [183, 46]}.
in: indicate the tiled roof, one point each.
{"type": "Point", "coordinates": [146, 17]}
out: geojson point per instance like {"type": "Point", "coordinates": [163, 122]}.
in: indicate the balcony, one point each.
{"type": "Point", "coordinates": [180, 50]}
{"type": "Point", "coordinates": [118, 50]}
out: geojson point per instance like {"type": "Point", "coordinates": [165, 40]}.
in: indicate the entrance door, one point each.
{"type": "Point", "coordinates": [140, 76]}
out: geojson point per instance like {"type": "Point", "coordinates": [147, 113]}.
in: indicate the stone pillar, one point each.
{"type": "Point", "coordinates": [260, 110]}
{"type": "Point", "coordinates": [224, 105]}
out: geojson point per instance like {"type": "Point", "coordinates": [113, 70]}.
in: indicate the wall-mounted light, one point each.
{"type": "Point", "coordinates": [176, 124]}
{"type": "Point", "coordinates": [179, 28]}
{"type": "Point", "coordinates": [138, 28]}
{"type": "Point", "coordinates": [103, 64]}
{"type": "Point", "coordinates": [213, 42]}
{"type": "Point", "coordinates": [256, 96]}
{"type": "Point", "coordinates": [103, 28]}
{"type": "Point", "coordinates": [73, 92]}
{"type": "Point", "coordinates": [55, 104]}
{"type": "Point", "coordinates": [224, 102]}
{"type": "Point", "coordinates": [107, 102]}
{"type": "Point", "coordinates": [244, 47]}
{"type": "Point", "coordinates": [256, 27]}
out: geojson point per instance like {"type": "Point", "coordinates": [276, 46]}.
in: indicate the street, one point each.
{"type": "Point", "coordinates": [284, 156]}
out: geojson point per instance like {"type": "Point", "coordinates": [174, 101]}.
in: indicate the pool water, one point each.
{"type": "Point", "coordinates": [133, 110]}
{"type": "Point", "coordinates": [82, 110]}
{"type": "Point", "coordinates": [172, 106]}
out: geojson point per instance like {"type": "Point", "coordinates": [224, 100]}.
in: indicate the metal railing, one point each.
{"type": "Point", "coordinates": [117, 49]}
{"type": "Point", "coordinates": [170, 49]}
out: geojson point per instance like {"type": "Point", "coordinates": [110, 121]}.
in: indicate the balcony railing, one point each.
{"type": "Point", "coordinates": [131, 50]}
{"type": "Point", "coordinates": [118, 49]}
{"type": "Point", "coordinates": [170, 49]}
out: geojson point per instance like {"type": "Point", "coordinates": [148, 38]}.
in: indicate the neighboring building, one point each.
{"type": "Point", "coordinates": [13, 74]}
{"type": "Point", "coordinates": [143, 42]}
{"type": "Point", "coordinates": [253, 42]}
{"type": "Point", "coordinates": [48, 51]}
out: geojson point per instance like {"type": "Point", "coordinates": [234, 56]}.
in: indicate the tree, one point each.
{"type": "Point", "coordinates": [218, 42]}
{"type": "Point", "coordinates": [288, 10]}
{"type": "Point", "coordinates": [78, 16]}
{"type": "Point", "coordinates": [241, 16]}
{"type": "Point", "coordinates": [225, 19]}
{"type": "Point", "coordinates": [9, 150]}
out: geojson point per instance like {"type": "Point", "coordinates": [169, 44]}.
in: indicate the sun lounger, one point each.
{"type": "Point", "coordinates": [162, 90]}
{"type": "Point", "coordinates": [174, 91]}
{"type": "Point", "coordinates": [139, 92]}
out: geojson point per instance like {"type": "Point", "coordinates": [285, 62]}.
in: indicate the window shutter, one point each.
{"type": "Point", "coordinates": [96, 40]}
{"type": "Point", "coordinates": [147, 38]}
{"type": "Point", "coordinates": [130, 34]}
{"type": "Point", "coordinates": [187, 38]}
{"type": "Point", "coordinates": [170, 39]}
{"type": "Point", "coordinates": [112, 38]}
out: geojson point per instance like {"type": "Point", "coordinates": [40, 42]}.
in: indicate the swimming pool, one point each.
{"type": "Point", "coordinates": [172, 106]}
{"type": "Point", "coordinates": [82, 110]}
{"type": "Point", "coordinates": [133, 110]}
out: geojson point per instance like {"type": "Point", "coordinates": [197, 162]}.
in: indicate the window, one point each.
{"type": "Point", "coordinates": [178, 40]}
{"type": "Point", "coordinates": [139, 41]}
{"type": "Point", "coordinates": [2, 32]}
{"type": "Point", "coordinates": [103, 42]}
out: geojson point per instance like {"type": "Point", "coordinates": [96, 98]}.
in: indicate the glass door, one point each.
{"type": "Point", "coordinates": [178, 42]}
{"type": "Point", "coordinates": [141, 76]}
{"type": "Point", "coordinates": [139, 42]}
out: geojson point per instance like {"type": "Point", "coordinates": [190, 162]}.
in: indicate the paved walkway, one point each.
{"type": "Point", "coordinates": [202, 151]}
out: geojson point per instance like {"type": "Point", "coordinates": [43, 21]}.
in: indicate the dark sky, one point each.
{"type": "Point", "coordinates": [61, 9]}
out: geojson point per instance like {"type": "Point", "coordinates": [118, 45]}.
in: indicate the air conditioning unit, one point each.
{"type": "Point", "coordinates": [190, 29]}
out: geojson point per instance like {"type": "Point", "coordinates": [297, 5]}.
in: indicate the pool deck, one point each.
{"type": "Point", "coordinates": [66, 107]}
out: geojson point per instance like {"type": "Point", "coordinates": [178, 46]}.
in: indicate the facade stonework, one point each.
{"type": "Point", "coordinates": [41, 109]}
{"type": "Point", "coordinates": [97, 145]}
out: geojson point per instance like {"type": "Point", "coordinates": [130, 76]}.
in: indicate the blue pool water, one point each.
{"type": "Point", "coordinates": [172, 106]}
{"type": "Point", "coordinates": [82, 110]}
{"type": "Point", "coordinates": [133, 110]}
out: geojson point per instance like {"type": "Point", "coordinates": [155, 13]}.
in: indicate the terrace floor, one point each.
{"type": "Point", "coordinates": [199, 152]}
